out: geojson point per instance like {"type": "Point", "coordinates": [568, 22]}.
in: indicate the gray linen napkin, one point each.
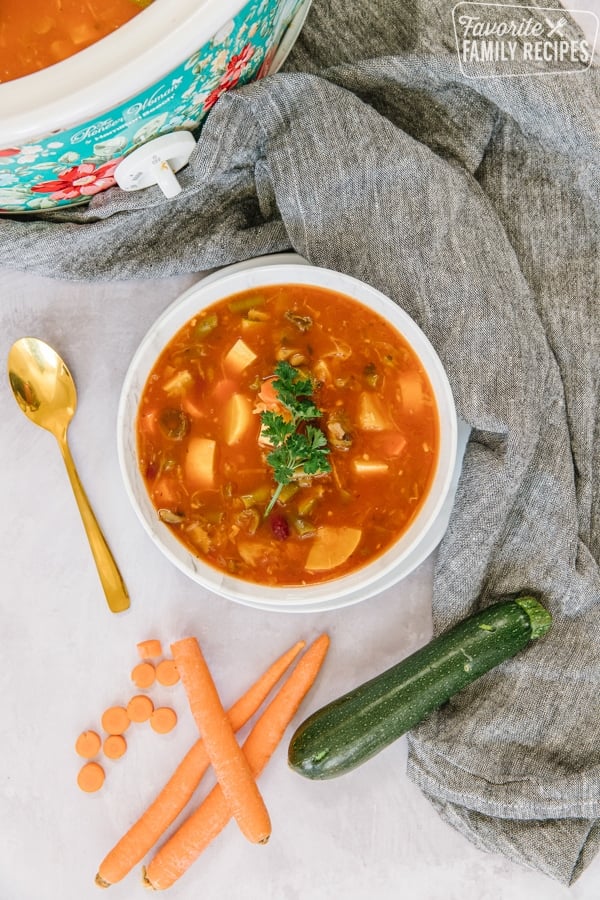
{"type": "Point", "coordinates": [473, 203]}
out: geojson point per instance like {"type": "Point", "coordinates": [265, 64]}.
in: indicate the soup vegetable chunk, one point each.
{"type": "Point", "coordinates": [38, 33]}
{"type": "Point", "coordinates": [287, 435]}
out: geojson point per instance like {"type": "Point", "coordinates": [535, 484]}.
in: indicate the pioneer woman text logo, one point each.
{"type": "Point", "coordinates": [496, 40]}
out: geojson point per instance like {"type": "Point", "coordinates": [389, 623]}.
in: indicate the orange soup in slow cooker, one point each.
{"type": "Point", "coordinates": [288, 435]}
{"type": "Point", "coordinates": [35, 34]}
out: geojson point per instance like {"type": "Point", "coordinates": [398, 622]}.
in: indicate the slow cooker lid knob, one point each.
{"type": "Point", "coordinates": [156, 163]}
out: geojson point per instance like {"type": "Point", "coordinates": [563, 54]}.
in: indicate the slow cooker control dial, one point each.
{"type": "Point", "coordinates": [156, 163]}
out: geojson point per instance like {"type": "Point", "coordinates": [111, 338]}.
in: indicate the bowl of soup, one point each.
{"type": "Point", "coordinates": [82, 85]}
{"type": "Point", "coordinates": [287, 437]}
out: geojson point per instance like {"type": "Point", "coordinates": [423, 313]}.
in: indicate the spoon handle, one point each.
{"type": "Point", "coordinates": [112, 581]}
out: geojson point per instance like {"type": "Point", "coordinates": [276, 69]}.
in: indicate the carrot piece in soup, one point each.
{"type": "Point", "coordinates": [392, 443]}
{"type": "Point", "coordinates": [223, 390]}
{"type": "Point", "coordinates": [268, 394]}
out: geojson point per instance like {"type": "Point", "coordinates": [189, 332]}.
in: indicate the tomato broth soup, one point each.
{"type": "Point", "coordinates": [287, 435]}
{"type": "Point", "coordinates": [38, 33]}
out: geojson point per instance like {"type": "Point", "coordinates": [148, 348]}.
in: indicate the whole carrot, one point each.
{"type": "Point", "coordinates": [208, 820]}
{"type": "Point", "coordinates": [155, 820]}
{"type": "Point", "coordinates": [228, 761]}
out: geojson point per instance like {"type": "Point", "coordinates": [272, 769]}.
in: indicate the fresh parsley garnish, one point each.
{"type": "Point", "coordinates": [299, 446]}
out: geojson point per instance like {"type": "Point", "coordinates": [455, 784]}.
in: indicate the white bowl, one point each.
{"type": "Point", "coordinates": [393, 565]}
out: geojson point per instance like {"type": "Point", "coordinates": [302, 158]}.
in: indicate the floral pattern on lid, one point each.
{"type": "Point", "coordinates": [73, 165]}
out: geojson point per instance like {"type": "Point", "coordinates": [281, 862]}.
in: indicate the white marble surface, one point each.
{"type": "Point", "coordinates": [65, 658]}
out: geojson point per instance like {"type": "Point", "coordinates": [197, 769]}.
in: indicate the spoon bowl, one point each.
{"type": "Point", "coordinates": [42, 385]}
{"type": "Point", "coordinates": [45, 391]}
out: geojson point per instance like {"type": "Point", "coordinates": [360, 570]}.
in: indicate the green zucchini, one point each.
{"type": "Point", "coordinates": [351, 729]}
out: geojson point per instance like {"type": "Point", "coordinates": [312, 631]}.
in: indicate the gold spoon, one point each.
{"type": "Point", "coordinates": [45, 391]}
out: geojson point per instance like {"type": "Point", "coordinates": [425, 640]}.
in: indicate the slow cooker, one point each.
{"type": "Point", "coordinates": [71, 131]}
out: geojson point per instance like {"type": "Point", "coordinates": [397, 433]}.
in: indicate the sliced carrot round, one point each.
{"type": "Point", "coordinates": [87, 744]}
{"type": "Point", "coordinates": [149, 649]}
{"type": "Point", "coordinates": [163, 719]}
{"type": "Point", "coordinates": [114, 746]}
{"type": "Point", "coordinates": [90, 777]}
{"type": "Point", "coordinates": [166, 672]}
{"type": "Point", "coordinates": [115, 720]}
{"type": "Point", "coordinates": [143, 674]}
{"type": "Point", "coordinates": [140, 708]}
